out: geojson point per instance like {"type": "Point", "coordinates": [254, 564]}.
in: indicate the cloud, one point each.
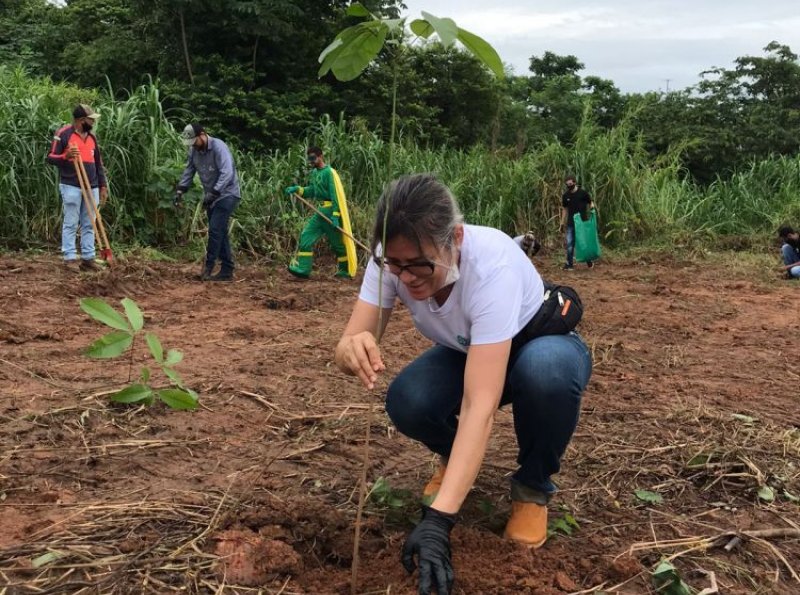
{"type": "Point", "coordinates": [636, 44]}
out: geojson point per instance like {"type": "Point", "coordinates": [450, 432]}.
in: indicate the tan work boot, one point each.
{"type": "Point", "coordinates": [72, 266]}
{"type": "Point", "coordinates": [90, 266]}
{"type": "Point", "coordinates": [432, 488]}
{"type": "Point", "coordinates": [528, 524]}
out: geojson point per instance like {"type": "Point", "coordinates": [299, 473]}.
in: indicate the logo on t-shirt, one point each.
{"type": "Point", "coordinates": [463, 341]}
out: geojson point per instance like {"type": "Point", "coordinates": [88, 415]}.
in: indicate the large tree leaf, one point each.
{"type": "Point", "coordinates": [337, 42]}
{"type": "Point", "coordinates": [177, 398]}
{"type": "Point", "coordinates": [111, 345]}
{"type": "Point", "coordinates": [330, 53]}
{"type": "Point", "coordinates": [132, 394]}
{"type": "Point", "coordinates": [360, 45]}
{"type": "Point", "coordinates": [482, 50]}
{"type": "Point", "coordinates": [102, 312]}
{"type": "Point", "coordinates": [156, 349]}
{"type": "Point", "coordinates": [422, 28]}
{"type": "Point", "coordinates": [133, 313]}
{"type": "Point", "coordinates": [356, 9]}
{"type": "Point", "coordinates": [445, 28]}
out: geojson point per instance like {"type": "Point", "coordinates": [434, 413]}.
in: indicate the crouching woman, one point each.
{"type": "Point", "coordinates": [470, 290]}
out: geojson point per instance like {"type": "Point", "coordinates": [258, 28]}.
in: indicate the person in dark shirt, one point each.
{"type": "Point", "coordinates": [575, 200]}
{"type": "Point", "coordinates": [790, 251]}
{"type": "Point", "coordinates": [76, 141]}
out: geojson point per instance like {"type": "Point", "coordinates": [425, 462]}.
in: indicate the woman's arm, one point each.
{"type": "Point", "coordinates": [358, 353]}
{"type": "Point", "coordinates": [484, 378]}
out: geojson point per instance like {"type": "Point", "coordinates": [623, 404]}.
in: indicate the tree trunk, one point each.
{"type": "Point", "coordinates": [186, 49]}
{"type": "Point", "coordinates": [255, 52]}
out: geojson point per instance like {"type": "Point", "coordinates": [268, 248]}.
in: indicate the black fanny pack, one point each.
{"type": "Point", "coordinates": [559, 314]}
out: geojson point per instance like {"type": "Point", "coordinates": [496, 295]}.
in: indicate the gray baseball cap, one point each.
{"type": "Point", "coordinates": [190, 133]}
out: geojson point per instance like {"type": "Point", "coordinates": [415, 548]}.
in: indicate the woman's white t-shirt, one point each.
{"type": "Point", "coordinates": [496, 295]}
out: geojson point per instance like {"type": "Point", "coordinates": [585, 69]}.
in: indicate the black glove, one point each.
{"type": "Point", "coordinates": [530, 245]}
{"type": "Point", "coordinates": [210, 198]}
{"type": "Point", "coordinates": [430, 541]}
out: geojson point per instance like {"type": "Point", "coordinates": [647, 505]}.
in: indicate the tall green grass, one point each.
{"type": "Point", "coordinates": [639, 198]}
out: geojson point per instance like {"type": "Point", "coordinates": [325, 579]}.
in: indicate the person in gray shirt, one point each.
{"type": "Point", "coordinates": [211, 159]}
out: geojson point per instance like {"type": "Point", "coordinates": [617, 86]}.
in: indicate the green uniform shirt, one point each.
{"type": "Point", "coordinates": [321, 186]}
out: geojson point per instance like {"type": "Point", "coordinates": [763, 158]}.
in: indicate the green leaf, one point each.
{"type": "Point", "coordinates": [111, 345]}
{"type": "Point", "coordinates": [421, 28]}
{"type": "Point", "coordinates": [766, 493]}
{"type": "Point", "coordinates": [132, 394]}
{"type": "Point", "coordinates": [356, 9]}
{"type": "Point", "coordinates": [699, 460]}
{"type": "Point", "coordinates": [174, 357]}
{"type": "Point", "coordinates": [156, 349]}
{"type": "Point", "coordinates": [330, 53]}
{"type": "Point", "coordinates": [559, 524]}
{"type": "Point", "coordinates": [790, 497]}
{"type": "Point", "coordinates": [649, 497]}
{"type": "Point", "coordinates": [360, 45]}
{"type": "Point", "coordinates": [144, 375]}
{"type": "Point", "coordinates": [133, 313]}
{"type": "Point", "coordinates": [571, 521]}
{"type": "Point", "coordinates": [331, 47]}
{"type": "Point", "coordinates": [102, 312]}
{"type": "Point", "coordinates": [174, 376]}
{"type": "Point", "coordinates": [40, 561]}
{"type": "Point", "coordinates": [177, 398]}
{"type": "Point", "coordinates": [667, 581]}
{"type": "Point", "coordinates": [482, 51]}
{"type": "Point", "coordinates": [445, 28]}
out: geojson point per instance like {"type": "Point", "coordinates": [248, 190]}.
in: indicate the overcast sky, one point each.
{"type": "Point", "coordinates": [638, 44]}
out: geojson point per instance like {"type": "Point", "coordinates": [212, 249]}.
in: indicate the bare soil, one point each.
{"type": "Point", "coordinates": [694, 397]}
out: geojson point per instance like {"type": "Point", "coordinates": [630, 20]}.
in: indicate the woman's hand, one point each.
{"type": "Point", "coordinates": [360, 355]}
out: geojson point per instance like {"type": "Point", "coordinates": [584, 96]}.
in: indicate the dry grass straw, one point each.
{"type": "Point", "coordinates": [705, 461]}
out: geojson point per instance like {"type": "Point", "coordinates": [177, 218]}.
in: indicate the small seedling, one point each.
{"type": "Point", "coordinates": [667, 581]}
{"type": "Point", "coordinates": [649, 497]}
{"type": "Point", "coordinates": [386, 496]}
{"type": "Point", "coordinates": [126, 330]}
{"type": "Point", "coordinates": [766, 494]}
{"type": "Point", "coordinates": [564, 525]}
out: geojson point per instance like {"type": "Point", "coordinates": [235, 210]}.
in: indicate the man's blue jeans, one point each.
{"type": "Point", "coordinates": [75, 214]}
{"type": "Point", "coordinates": [569, 242]}
{"type": "Point", "coordinates": [219, 246]}
{"type": "Point", "coordinates": [790, 257]}
{"type": "Point", "coordinates": [544, 384]}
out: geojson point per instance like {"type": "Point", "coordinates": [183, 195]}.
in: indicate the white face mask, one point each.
{"type": "Point", "coordinates": [453, 272]}
{"type": "Point", "coordinates": [453, 275]}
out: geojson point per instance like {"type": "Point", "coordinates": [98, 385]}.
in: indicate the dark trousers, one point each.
{"type": "Point", "coordinates": [544, 384]}
{"type": "Point", "coordinates": [219, 246]}
{"type": "Point", "coordinates": [569, 243]}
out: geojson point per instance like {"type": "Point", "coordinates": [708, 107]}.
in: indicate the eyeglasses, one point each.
{"type": "Point", "coordinates": [311, 158]}
{"type": "Point", "coordinates": [419, 269]}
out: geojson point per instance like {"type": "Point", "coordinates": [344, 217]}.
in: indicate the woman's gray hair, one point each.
{"type": "Point", "coordinates": [420, 209]}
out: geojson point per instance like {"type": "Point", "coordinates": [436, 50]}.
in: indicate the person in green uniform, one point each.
{"type": "Point", "coordinates": [322, 190]}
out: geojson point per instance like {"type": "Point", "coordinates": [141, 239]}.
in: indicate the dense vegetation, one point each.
{"type": "Point", "coordinates": [717, 158]}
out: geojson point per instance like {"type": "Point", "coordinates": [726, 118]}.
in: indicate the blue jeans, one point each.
{"type": "Point", "coordinates": [790, 256]}
{"type": "Point", "coordinates": [544, 383]}
{"type": "Point", "coordinates": [219, 246]}
{"type": "Point", "coordinates": [569, 242]}
{"type": "Point", "coordinates": [75, 214]}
